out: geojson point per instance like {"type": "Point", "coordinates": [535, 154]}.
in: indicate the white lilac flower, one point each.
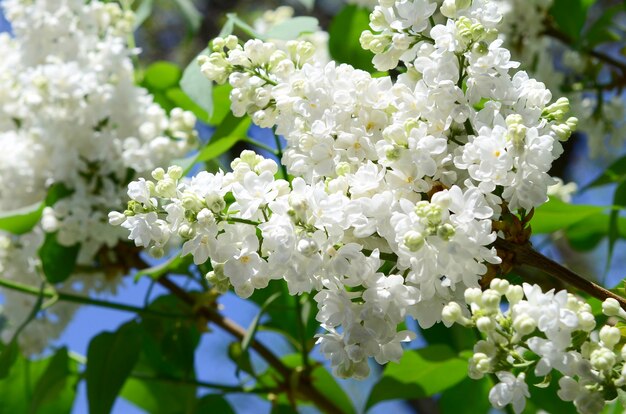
{"type": "Point", "coordinates": [72, 118]}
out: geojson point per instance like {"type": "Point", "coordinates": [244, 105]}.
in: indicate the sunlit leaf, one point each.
{"type": "Point", "coordinates": [418, 374]}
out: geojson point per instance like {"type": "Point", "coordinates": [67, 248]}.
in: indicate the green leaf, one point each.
{"type": "Point", "coordinates": [162, 76]}
{"type": "Point", "coordinates": [586, 234]}
{"type": "Point", "coordinates": [283, 315]}
{"type": "Point", "coordinates": [621, 397]}
{"type": "Point", "coordinates": [557, 215]}
{"type": "Point", "coordinates": [8, 357]}
{"type": "Point", "coordinates": [221, 103]}
{"type": "Point", "coordinates": [616, 172]}
{"type": "Point", "coordinates": [324, 382]}
{"type": "Point", "coordinates": [545, 398]}
{"type": "Point", "coordinates": [52, 382]}
{"type": "Point", "coordinates": [213, 403]}
{"type": "Point", "coordinates": [292, 28]}
{"type": "Point", "coordinates": [619, 199]}
{"type": "Point", "coordinates": [57, 192]}
{"type": "Point", "coordinates": [457, 337]}
{"type": "Point", "coordinates": [321, 379]}
{"type": "Point", "coordinates": [21, 220]}
{"type": "Point", "coordinates": [570, 16]}
{"type": "Point", "coordinates": [283, 409]}
{"type": "Point", "coordinates": [143, 12]}
{"type": "Point", "coordinates": [344, 34]}
{"type": "Point", "coordinates": [192, 16]}
{"type": "Point", "coordinates": [57, 261]}
{"type": "Point", "coordinates": [176, 265]}
{"type": "Point", "coordinates": [111, 357]}
{"type": "Point", "coordinates": [241, 358]}
{"type": "Point", "coordinates": [169, 344]}
{"type": "Point", "coordinates": [477, 402]}
{"type": "Point", "coordinates": [227, 134]}
{"type": "Point", "coordinates": [197, 86]}
{"type": "Point", "coordinates": [167, 354]}
{"type": "Point", "coordinates": [181, 100]}
{"type": "Point", "coordinates": [37, 386]}
{"type": "Point", "coordinates": [603, 30]}
{"type": "Point", "coordinates": [235, 21]}
{"type": "Point", "coordinates": [419, 375]}
{"type": "Point", "coordinates": [252, 328]}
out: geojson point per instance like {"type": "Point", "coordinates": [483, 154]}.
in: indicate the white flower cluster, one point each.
{"type": "Point", "coordinates": [71, 116]}
{"type": "Point", "coordinates": [523, 29]}
{"type": "Point", "coordinates": [271, 19]}
{"type": "Point", "coordinates": [542, 332]}
{"type": "Point", "coordinates": [397, 183]}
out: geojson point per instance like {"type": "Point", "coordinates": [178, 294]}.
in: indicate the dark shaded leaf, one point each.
{"type": "Point", "coordinates": [192, 16]}
{"type": "Point", "coordinates": [111, 357]}
{"type": "Point", "coordinates": [616, 172]}
{"type": "Point", "coordinates": [57, 261]}
{"type": "Point", "coordinates": [344, 34]}
{"type": "Point", "coordinates": [213, 404]}
{"type": "Point", "coordinates": [570, 16]}
{"type": "Point", "coordinates": [52, 382]}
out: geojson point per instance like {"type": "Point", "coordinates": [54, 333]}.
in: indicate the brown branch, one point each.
{"type": "Point", "coordinates": [306, 388]}
{"type": "Point", "coordinates": [526, 255]}
{"type": "Point", "coordinates": [564, 38]}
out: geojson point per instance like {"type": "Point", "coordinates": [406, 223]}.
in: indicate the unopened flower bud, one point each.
{"type": "Point", "coordinates": [485, 324]}
{"type": "Point", "coordinates": [500, 285]}
{"type": "Point", "coordinates": [586, 321]}
{"type": "Point", "coordinates": [215, 202]}
{"type": "Point", "coordinates": [610, 336]}
{"type": "Point", "coordinates": [602, 359]}
{"type": "Point", "coordinates": [491, 299]}
{"type": "Point", "coordinates": [116, 218]}
{"type": "Point", "coordinates": [158, 174]}
{"type": "Point", "coordinates": [611, 307]}
{"type": "Point", "coordinates": [473, 295]}
{"type": "Point", "coordinates": [514, 294]}
{"type": "Point", "coordinates": [307, 247]}
{"type": "Point", "coordinates": [451, 313]}
{"type": "Point", "coordinates": [186, 232]}
{"type": "Point", "coordinates": [446, 231]}
{"type": "Point", "coordinates": [156, 252]}
{"type": "Point", "coordinates": [524, 324]}
{"type": "Point", "coordinates": [206, 217]}
{"type": "Point", "coordinates": [413, 240]}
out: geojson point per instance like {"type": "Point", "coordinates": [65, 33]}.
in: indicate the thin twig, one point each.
{"type": "Point", "coordinates": [526, 255]}
{"type": "Point", "coordinates": [304, 386]}
{"type": "Point", "coordinates": [84, 300]}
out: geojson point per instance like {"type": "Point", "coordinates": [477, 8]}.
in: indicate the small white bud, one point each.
{"type": "Point", "coordinates": [500, 285]}
{"type": "Point", "coordinates": [610, 336]}
{"type": "Point", "coordinates": [485, 324]}
{"type": "Point", "coordinates": [116, 218]}
{"type": "Point", "coordinates": [514, 294]}
{"type": "Point", "coordinates": [156, 252]}
{"type": "Point", "coordinates": [602, 359]}
{"type": "Point", "coordinates": [524, 324]}
{"type": "Point", "coordinates": [158, 174]}
{"type": "Point", "coordinates": [451, 313]}
{"type": "Point", "coordinates": [491, 299]}
{"type": "Point", "coordinates": [413, 240]}
{"type": "Point", "coordinates": [611, 307]}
